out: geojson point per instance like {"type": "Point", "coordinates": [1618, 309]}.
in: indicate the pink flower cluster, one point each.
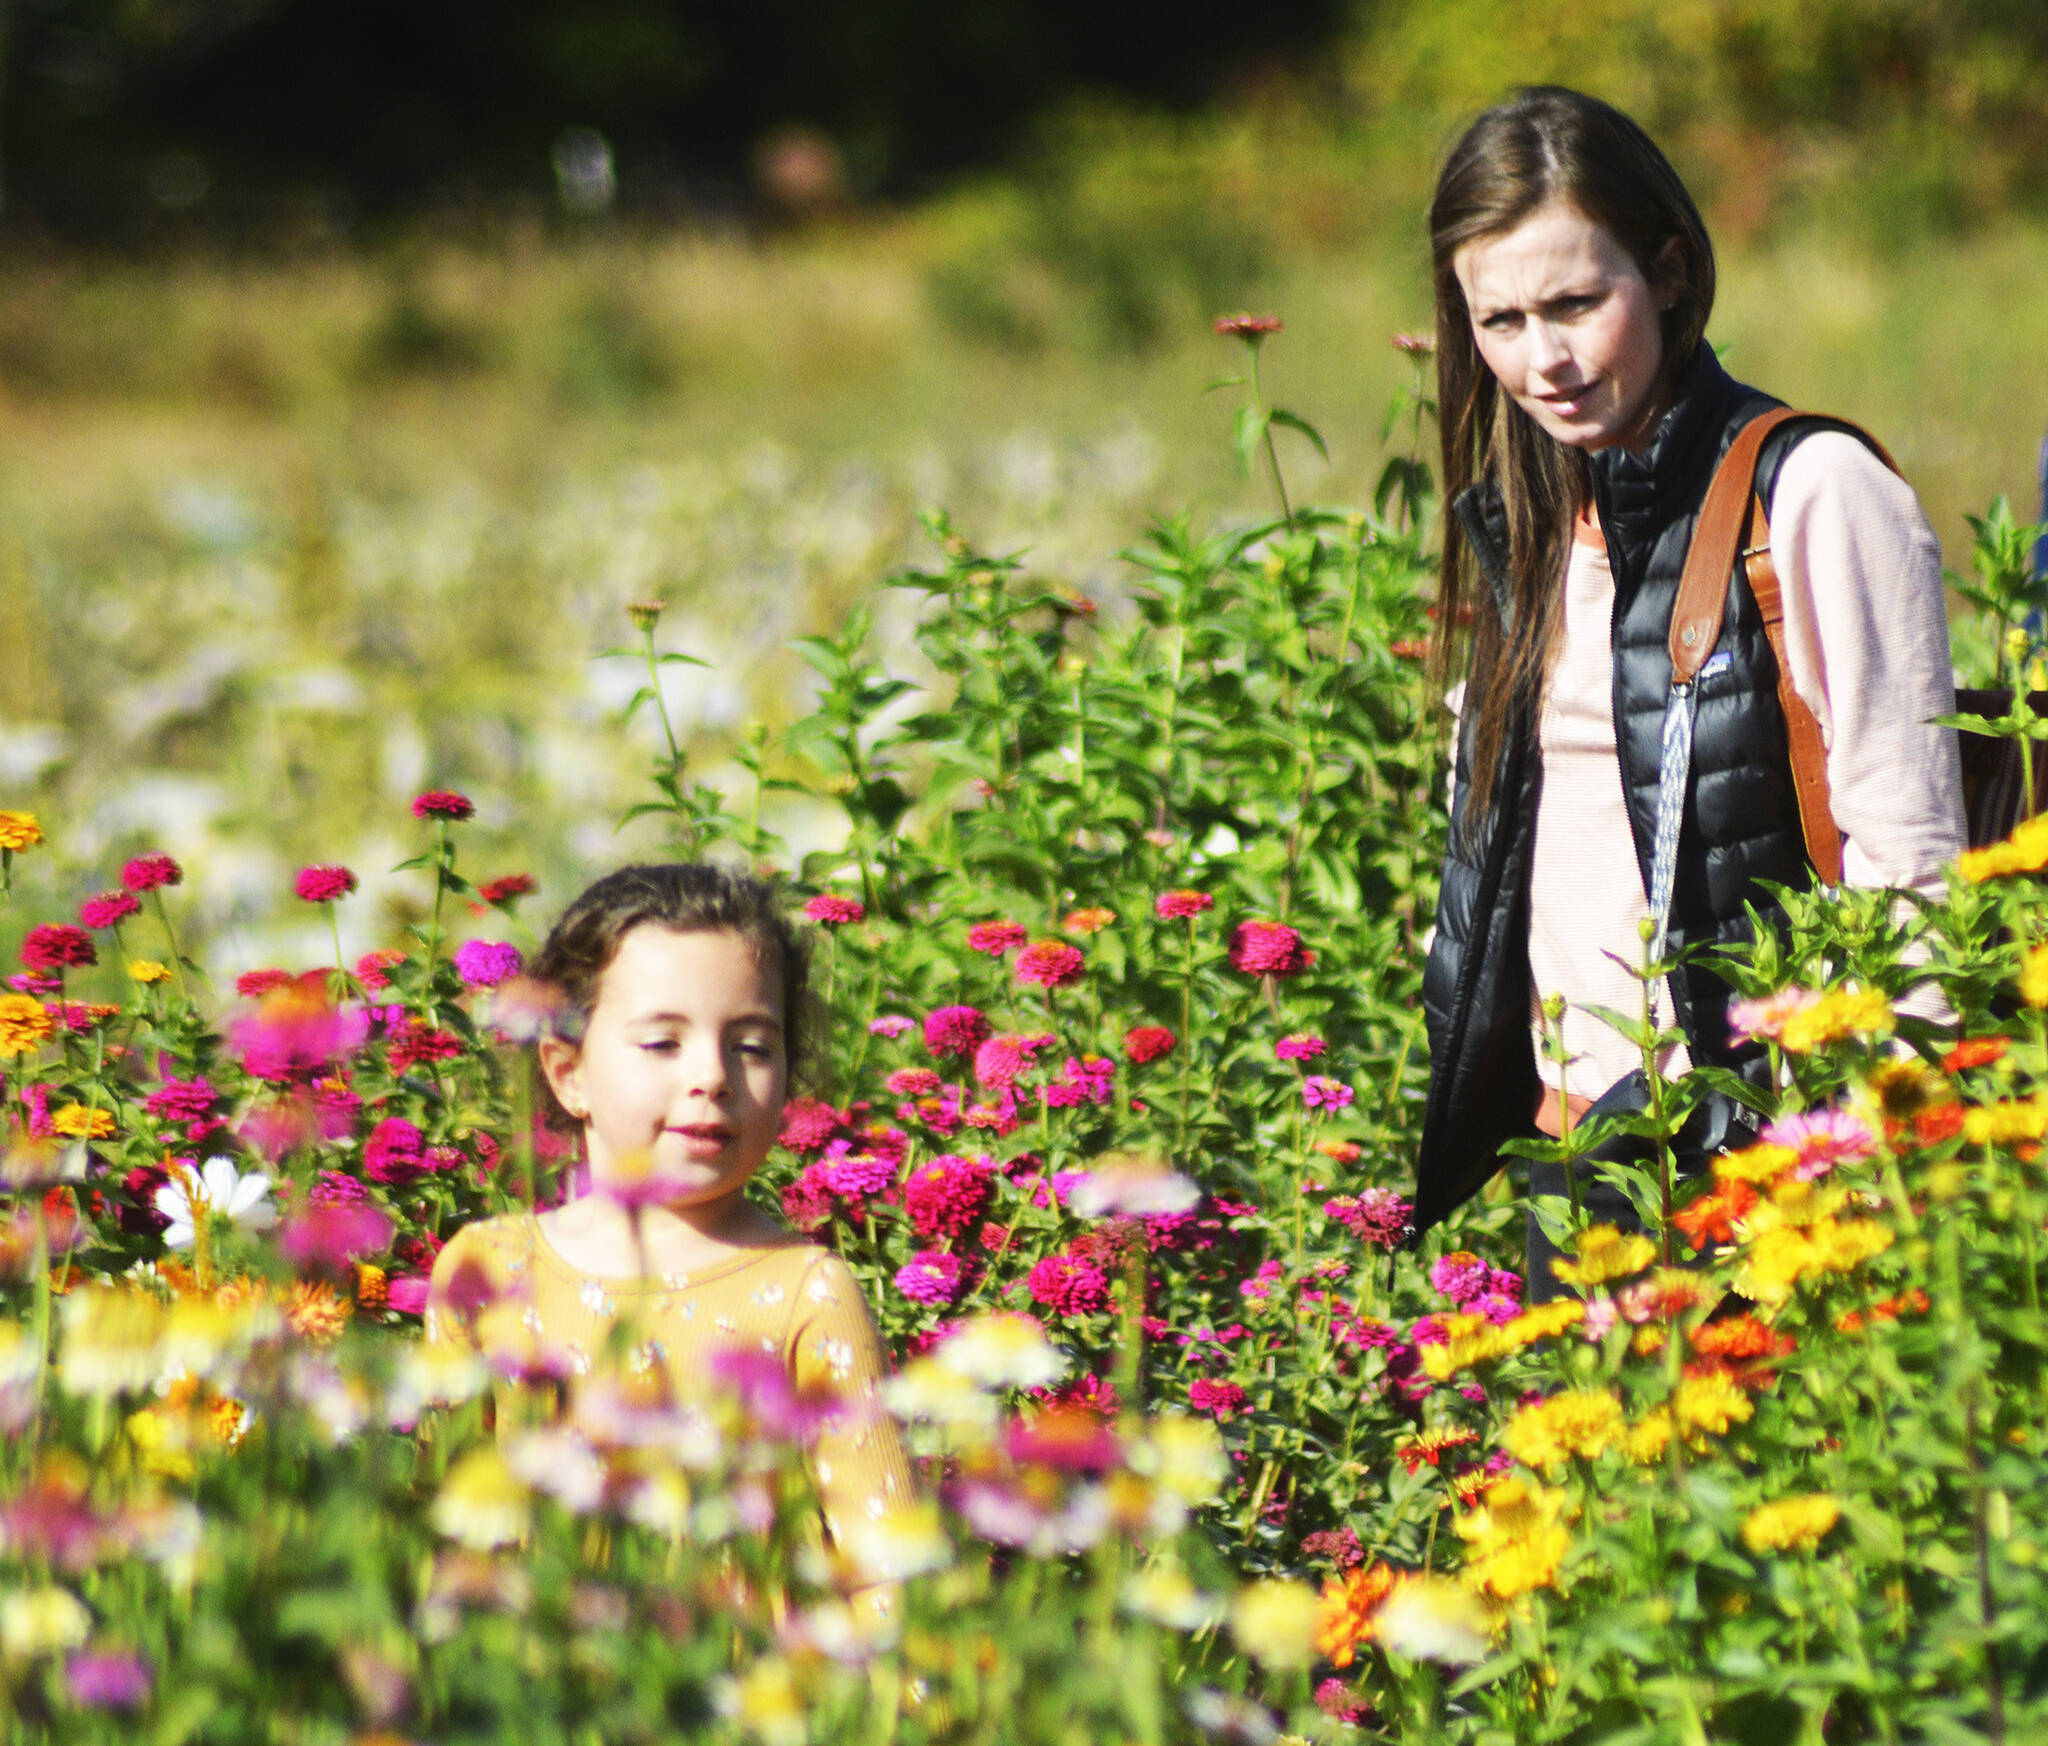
{"type": "Point", "coordinates": [487, 963]}
{"type": "Point", "coordinates": [1220, 1399]}
{"type": "Point", "coordinates": [1268, 949]}
{"type": "Point", "coordinates": [1069, 1286]}
{"type": "Point", "coordinates": [1085, 1079]}
{"type": "Point", "coordinates": [995, 938]}
{"type": "Point", "coordinates": [325, 883]}
{"type": "Point", "coordinates": [808, 1125]}
{"type": "Point", "coordinates": [1181, 905]}
{"type": "Point", "coordinates": [1144, 1043]}
{"type": "Point", "coordinates": [151, 872]}
{"type": "Point", "coordinates": [109, 909]}
{"type": "Point", "coordinates": [1001, 1061]}
{"type": "Point", "coordinates": [54, 946]}
{"type": "Point", "coordinates": [443, 803]}
{"type": "Point", "coordinates": [834, 912]}
{"type": "Point", "coordinates": [1823, 1138]}
{"type": "Point", "coordinates": [947, 1197]}
{"type": "Point", "coordinates": [955, 1030]}
{"type": "Point", "coordinates": [931, 1276]}
{"type": "Point", "coordinates": [1377, 1216]}
{"type": "Point", "coordinates": [1321, 1093]}
{"type": "Point", "coordinates": [1298, 1046]}
{"type": "Point", "coordinates": [1050, 964]}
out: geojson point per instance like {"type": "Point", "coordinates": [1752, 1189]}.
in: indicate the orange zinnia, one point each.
{"type": "Point", "coordinates": [1348, 1609]}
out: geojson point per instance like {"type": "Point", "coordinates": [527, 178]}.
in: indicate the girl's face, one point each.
{"type": "Point", "coordinates": [681, 1066]}
{"type": "Point", "coordinates": [1565, 320]}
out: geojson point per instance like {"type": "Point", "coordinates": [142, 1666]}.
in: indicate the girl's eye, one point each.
{"type": "Point", "coordinates": [660, 1046]}
{"type": "Point", "coordinates": [758, 1050]}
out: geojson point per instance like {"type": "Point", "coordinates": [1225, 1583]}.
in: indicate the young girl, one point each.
{"type": "Point", "coordinates": [683, 995]}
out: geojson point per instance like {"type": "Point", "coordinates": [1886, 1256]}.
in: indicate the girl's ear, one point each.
{"type": "Point", "coordinates": [561, 1062]}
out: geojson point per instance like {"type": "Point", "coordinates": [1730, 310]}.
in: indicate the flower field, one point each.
{"type": "Point", "coordinates": [1114, 1123]}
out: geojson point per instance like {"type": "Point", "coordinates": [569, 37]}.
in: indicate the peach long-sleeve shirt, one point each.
{"type": "Point", "coordinates": [1866, 638]}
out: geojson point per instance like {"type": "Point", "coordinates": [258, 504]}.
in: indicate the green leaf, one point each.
{"type": "Point", "coordinates": [1249, 432]}
{"type": "Point", "coordinates": [1289, 421]}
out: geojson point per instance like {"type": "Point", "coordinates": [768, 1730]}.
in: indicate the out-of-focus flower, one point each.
{"type": "Point", "coordinates": [482, 1503]}
{"type": "Point", "coordinates": [147, 971]}
{"type": "Point", "coordinates": [1181, 904]}
{"type": "Point", "coordinates": [255, 984]}
{"type": "Point", "coordinates": [890, 1026]}
{"type": "Point", "coordinates": [1050, 964]}
{"type": "Point", "coordinates": [108, 909]}
{"type": "Point", "coordinates": [103, 1679]}
{"type": "Point", "coordinates": [1260, 948]}
{"type": "Point", "coordinates": [1377, 1216]}
{"type": "Point", "coordinates": [834, 912]}
{"type": "Point", "coordinates": [49, 947]}
{"type": "Point", "coordinates": [1249, 328]}
{"type": "Point", "coordinates": [327, 1239]}
{"type": "Point", "coordinates": [955, 1030]}
{"type": "Point", "coordinates": [316, 1312]}
{"type": "Point", "coordinates": [1820, 1139]}
{"type": "Point", "coordinates": [1433, 1618]}
{"type": "Point", "coordinates": [931, 1276]}
{"type": "Point", "coordinates": [1580, 1422]}
{"type": "Point", "coordinates": [182, 1100]}
{"type": "Point", "coordinates": [1144, 1043]}
{"type": "Point", "coordinates": [906, 1542]}
{"type": "Point", "coordinates": [1712, 1403]}
{"type": "Point", "coordinates": [151, 872]}
{"type": "Point", "coordinates": [19, 830]}
{"type": "Point", "coordinates": [1002, 1060]}
{"type": "Point", "coordinates": [110, 1341]}
{"type": "Point", "coordinates": [1605, 1254]}
{"type": "Point", "coordinates": [395, 1152]}
{"type": "Point", "coordinates": [2025, 851]}
{"type": "Point", "coordinates": [911, 1082]}
{"type": "Point", "coordinates": [76, 1122]}
{"type": "Point", "coordinates": [1162, 1593]}
{"type": "Point", "coordinates": [808, 1125]}
{"type": "Point", "coordinates": [487, 963]}
{"type": "Point", "coordinates": [505, 891]}
{"type": "Point", "coordinates": [41, 1621]}
{"type": "Point", "coordinates": [1298, 1046]}
{"type": "Point", "coordinates": [1139, 1187]}
{"type": "Point", "coordinates": [1274, 1622]}
{"type": "Point", "coordinates": [1514, 1538]}
{"type": "Point", "coordinates": [1002, 1351]}
{"type": "Point", "coordinates": [443, 803]}
{"type": "Point", "coordinates": [324, 884]}
{"type": "Point", "coordinates": [1087, 921]}
{"type": "Point", "coordinates": [1838, 1014]}
{"type": "Point", "coordinates": [996, 938]}
{"type": "Point", "coordinates": [764, 1699]}
{"type": "Point", "coordinates": [218, 1191]}
{"type": "Point", "coordinates": [1791, 1524]}
{"type": "Point", "coordinates": [296, 1031]}
{"type": "Point", "coordinates": [1185, 1457]}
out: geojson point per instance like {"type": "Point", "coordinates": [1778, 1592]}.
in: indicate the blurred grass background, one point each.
{"type": "Point", "coordinates": [297, 517]}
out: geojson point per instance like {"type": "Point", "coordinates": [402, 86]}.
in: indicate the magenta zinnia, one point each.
{"type": "Point", "coordinates": [149, 872]}
{"type": "Point", "coordinates": [109, 909]}
{"type": "Point", "coordinates": [955, 1030]}
{"type": "Point", "coordinates": [947, 1197]}
{"type": "Point", "coordinates": [1180, 904]}
{"type": "Point", "coordinates": [51, 946]}
{"type": "Point", "coordinates": [1267, 949]}
{"type": "Point", "coordinates": [324, 884]}
{"type": "Point", "coordinates": [834, 912]}
{"type": "Point", "coordinates": [443, 803]}
{"type": "Point", "coordinates": [931, 1276]}
{"type": "Point", "coordinates": [995, 937]}
{"type": "Point", "coordinates": [487, 963]}
{"type": "Point", "coordinates": [808, 1124]}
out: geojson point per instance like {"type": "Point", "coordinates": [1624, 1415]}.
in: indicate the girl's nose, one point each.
{"type": "Point", "coordinates": [704, 1069]}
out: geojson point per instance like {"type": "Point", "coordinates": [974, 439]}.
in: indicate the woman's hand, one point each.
{"type": "Point", "coordinates": [1550, 1112]}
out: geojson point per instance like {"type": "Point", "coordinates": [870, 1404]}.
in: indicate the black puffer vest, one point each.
{"type": "Point", "coordinates": [1741, 822]}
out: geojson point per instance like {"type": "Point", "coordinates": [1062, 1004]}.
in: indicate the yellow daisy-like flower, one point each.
{"type": "Point", "coordinates": [2025, 851]}
{"type": "Point", "coordinates": [1838, 1014]}
{"type": "Point", "coordinates": [1275, 1622]}
{"type": "Point", "coordinates": [147, 970]}
{"type": "Point", "coordinates": [1544, 1322]}
{"type": "Point", "coordinates": [1578, 1422]}
{"type": "Point", "coordinates": [2034, 976]}
{"type": "Point", "coordinates": [2003, 1124]}
{"type": "Point", "coordinates": [1842, 1244]}
{"type": "Point", "coordinates": [317, 1313]}
{"type": "Point", "coordinates": [19, 830]}
{"type": "Point", "coordinates": [25, 1024]}
{"type": "Point", "coordinates": [75, 1122]}
{"type": "Point", "coordinates": [1759, 1163]}
{"type": "Point", "coordinates": [482, 1504]}
{"type": "Point", "coordinates": [1515, 1538]}
{"type": "Point", "coordinates": [1791, 1524]}
{"type": "Point", "coordinates": [1605, 1254]}
{"type": "Point", "coordinates": [1647, 1439]}
{"type": "Point", "coordinates": [1710, 1403]}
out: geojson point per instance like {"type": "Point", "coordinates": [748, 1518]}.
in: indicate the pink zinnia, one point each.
{"type": "Point", "coordinates": [807, 1124]}
{"type": "Point", "coordinates": [955, 1030]}
{"type": "Point", "coordinates": [109, 909]}
{"type": "Point", "coordinates": [1823, 1138]}
{"type": "Point", "coordinates": [1247, 327]}
{"type": "Point", "coordinates": [1267, 949]}
{"type": "Point", "coordinates": [807, 1202]}
{"type": "Point", "coordinates": [182, 1100]}
{"type": "Point", "coordinates": [443, 803]}
{"type": "Point", "coordinates": [1050, 963]}
{"type": "Point", "coordinates": [325, 883]}
{"type": "Point", "coordinates": [335, 1188]}
{"type": "Point", "coordinates": [1300, 1046]}
{"type": "Point", "coordinates": [1085, 1079]}
{"type": "Point", "coordinates": [854, 1175]}
{"type": "Point", "coordinates": [912, 1082]}
{"type": "Point", "coordinates": [1461, 1276]}
{"type": "Point", "coordinates": [1181, 904]}
{"type": "Point", "coordinates": [255, 984]}
{"type": "Point", "coordinates": [1218, 1398]}
{"type": "Point", "coordinates": [372, 968]}
{"type": "Point", "coordinates": [51, 946]}
{"type": "Point", "coordinates": [1000, 1060]}
{"type": "Point", "coordinates": [1766, 1017]}
{"type": "Point", "coordinates": [148, 872]}
{"type": "Point", "coordinates": [834, 912]}
{"type": "Point", "coordinates": [931, 1276]}
{"type": "Point", "coordinates": [995, 937]}
{"type": "Point", "coordinates": [1147, 1043]}
{"type": "Point", "coordinates": [419, 1042]}
{"type": "Point", "coordinates": [1321, 1093]}
{"type": "Point", "coordinates": [948, 1196]}
{"type": "Point", "coordinates": [406, 1293]}
{"type": "Point", "coordinates": [1377, 1216]}
{"type": "Point", "coordinates": [890, 1026]}
{"type": "Point", "coordinates": [1068, 1286]}
{"type": "Point", "coordinates": [327, 1238]}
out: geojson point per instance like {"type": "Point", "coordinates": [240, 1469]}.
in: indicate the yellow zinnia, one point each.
{"type": "Point", "coordinates": [1711, 1402]}
{"type": "Point", "coordinates": [1840, 1013]}
{"type": "Point", "coordinates": [1790, 1524]}
{"type": "Point", "coordinates": [1647, 1439]}
{"type": "Point", "coordinates": [25, 1024]}
{"type": "Point", "coordinates": [1516, 1542]}
{"type": "Point", "coordinates": [2001, 1124]}
{"type": "Point", "coordinates": [147, 970]}
{"type": "Point", "coordinates": [1758, 1163]}
{"type": "Point", "coordinates": [19, 830]}
{"type": "Point", "coordinates": [1579, 1422]}
{"type": "Point", "coordinates": [75, 1122]}
{"type": "Point", "coordinates": [1605, 1254]}
{"type": "Point", "coordinates": [2025, 851]}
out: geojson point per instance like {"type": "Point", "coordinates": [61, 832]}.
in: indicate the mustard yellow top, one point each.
{"type": "Point", "coordinates": [791, 1299]}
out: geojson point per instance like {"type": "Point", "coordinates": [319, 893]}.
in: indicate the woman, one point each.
{"type": "Point", "coordinates": [1582, 418]}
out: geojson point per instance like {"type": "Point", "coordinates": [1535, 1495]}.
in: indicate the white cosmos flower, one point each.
{"type": "Point", "coordinates": [225, 1193]}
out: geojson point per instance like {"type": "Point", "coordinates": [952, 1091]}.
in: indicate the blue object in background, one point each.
{"type": "Point", "coordinates": [2041, 544]}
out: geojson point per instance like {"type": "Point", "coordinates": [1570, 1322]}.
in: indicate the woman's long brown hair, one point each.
{"type": "Point", "coordinates": [1546, 144]}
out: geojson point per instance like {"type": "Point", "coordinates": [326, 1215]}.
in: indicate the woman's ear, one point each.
{"type": "Point", "coordinates": [1667, 274]}
{"type": "Point", "coordinates": [561, 1062]}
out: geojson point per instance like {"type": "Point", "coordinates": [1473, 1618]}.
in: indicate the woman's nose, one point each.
{"type": "Point", "coordinates": [1547, 350]}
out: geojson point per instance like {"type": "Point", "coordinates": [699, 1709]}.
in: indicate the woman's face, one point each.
{"type": "Point", "coordinates": [1566, 321]}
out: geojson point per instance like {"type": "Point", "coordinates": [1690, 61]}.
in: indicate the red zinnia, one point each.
{"type": "Point", "coordinates": [109, 909]}
{"type": "Point", "coordinates": [505, 890]}
{"type": "Point", "coordinates": [443, 803]}
{"type": "Point", "coordinates": [1179, 904]}
{"type": "Point", "coordinates": [324, 884]}
{"type": "Point", "coordinates": [834, 912]}
{"type": "Point", "coordinates": [1268, 949]}
{"type": "Point", "coordinates": [995, 937]}
{"type": "Point", "coordinates": [147, 872]}
{"type": "Point", "coordinates": [255, 984]}
{"type": "Point", "coordinates": [1050, 963]}
{"type": "Point", "coordinates": [1147, 1043]}
{"type": "Point", "coordinates": [58, 946]}
{"type": "Point", "coordinates": [1970, 1052]}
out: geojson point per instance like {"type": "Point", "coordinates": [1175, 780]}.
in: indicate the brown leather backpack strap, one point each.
{"type": "Point", "coordinates": [1716, 542]}
{"type": "Point", "coordinates": [1802, 730]}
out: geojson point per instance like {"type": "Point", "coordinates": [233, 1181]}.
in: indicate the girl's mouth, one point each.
{"type": "Point", "coordinates": [702, 1137]}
